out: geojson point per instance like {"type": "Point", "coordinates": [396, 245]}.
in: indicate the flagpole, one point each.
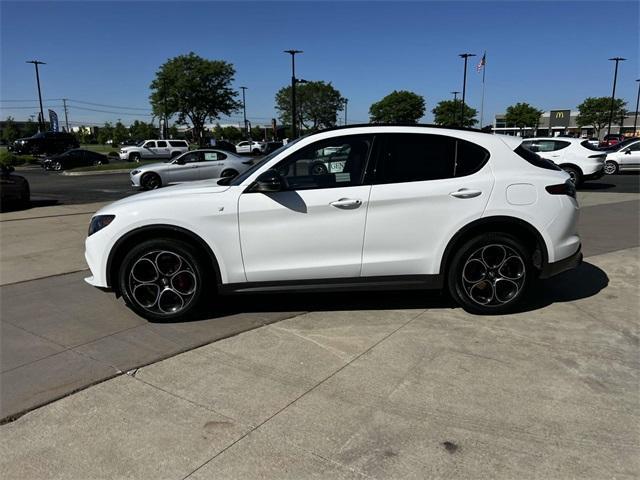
{"type": "Point", "coordinates": [484, 69]}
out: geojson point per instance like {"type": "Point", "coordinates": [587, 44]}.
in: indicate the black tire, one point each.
{"type": "Point", "coordinates": [163, 280]}
{"type": "Point", "coordinates": [485, 262]}
{"type": "Point", "coordinates": [318, 168]}
{"type": "Point", "coordinates": [574, 174]}
{"type": "Point", "coordinates": [611, 167]}
{"type": "Point", "coordinates": [174, 154]}
{"type": "Point", "coordinates": [256, 151]}
{"type": "Point", "coordinates": [97, 162]}
{"type": "Point", "coordinates": [150, 181]}
{"type": "Point", "coordinates": [134, 157]}
{"type": "Point", "coordinates": [229, 173]}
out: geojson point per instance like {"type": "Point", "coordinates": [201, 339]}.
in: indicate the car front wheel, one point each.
{"type": "Point", "coordinates": [162, 280]}
{"type": "Point", "coordinates": [490, 274]}
{"type": "Point", "coordinates": [610, 167]}
{"type": "Point", "coordinates": [150, 181]}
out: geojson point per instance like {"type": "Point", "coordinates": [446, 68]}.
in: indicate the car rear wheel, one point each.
{"type": "Point", "coordinates": [134, 157]}
{"type": "Point", "coordinates": [574, 175]}
{"type": "Point", "coordinates": [174, 154]}
{"type": "Point", "coordinates": [57, 166]}
{"type": "Point", "coordinates": [229, 173]}
{"type": "Point", "coordinates": [490, 274]}
{"type": "Point", "coordinates": [611, 167]}
{"type": "Point", "coordinates": [162, 279]}
{"type": "Point", "coordinates": [150, 181]}
{"type": "Point", "coordinates": [97, 162]}
{"type": "Point", "coordinates": [256, 151]}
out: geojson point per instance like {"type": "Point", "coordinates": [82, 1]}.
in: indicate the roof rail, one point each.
{"type": "Point", "coordinates": [402, 124]}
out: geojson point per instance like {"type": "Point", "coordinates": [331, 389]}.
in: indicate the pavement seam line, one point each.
{"type": "Point", "coordinates": [46, 216]}
{"type": "Point", "coordinates": [309, 390]}
{"type": "Point", "coordinates": [43, 278]}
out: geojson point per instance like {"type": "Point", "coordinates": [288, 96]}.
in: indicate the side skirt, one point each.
{"type": "Point", "coordinates": [396, 282]}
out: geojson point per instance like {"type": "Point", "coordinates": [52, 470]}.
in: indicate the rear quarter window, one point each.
{"type": "Point", "coordinates": [535, 159]}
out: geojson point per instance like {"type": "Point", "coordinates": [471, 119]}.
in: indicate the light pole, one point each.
{"type": "Point", "coordinates": [293, 90]}
{"type": "Point", "coordinates": [613, 94]}
{"type": "Point", "coordinates": [244, 110]}
{"type": "Point", "coordinates": [41, 118]}
{"type": "Point", "coordinates": [346, 102]}
{"type": "Point", "coordinates": [455, 106]}
{"type": "Point", "coordinates": [464, 84]}
{"type": "Point", "coordinates": [635, 119]}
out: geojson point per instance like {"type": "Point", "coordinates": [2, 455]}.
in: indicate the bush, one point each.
{"type": "Point", "coordinates": [113, 153]}
{"type": "Point", "coordinates": [9, 159]}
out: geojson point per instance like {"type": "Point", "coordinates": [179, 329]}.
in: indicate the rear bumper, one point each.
{"type": "Point", "coordinates": [572, 261]}
{"type": "Point", "coordinates": [595, 175]}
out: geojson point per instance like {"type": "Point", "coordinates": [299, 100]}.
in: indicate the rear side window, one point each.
{"type": "Point", "coordinates": [590, 146]}
{"type": "Point", "coordinates": [411, 157]}
{"type": "Point", "coordinates": [162, 144]}
{"type": "Point", "coordinates": [535, 159]}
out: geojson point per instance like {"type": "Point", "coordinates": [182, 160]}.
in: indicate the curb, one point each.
{"type": "Point", "coordinates": [97, 172]}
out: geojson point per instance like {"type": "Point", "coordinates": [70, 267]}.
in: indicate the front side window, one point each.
{"type": "Point", "coordinates": [190, 157]}
{"type": "Point", "coordinates": [540, 145]}
{"type": "Point", "coordinates": [162, 144]}
{"type": "Point", "coordinates": [635, 147]}
{"type": "Point", "coordinates": [416, 157]}
{"type": "Point", "coordinates": [336, 162]}
{"type": "Point", "coordinates": [150, 145]}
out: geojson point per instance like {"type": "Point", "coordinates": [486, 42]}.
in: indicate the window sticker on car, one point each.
{"type": "Point", "coordinates": [336, 167]}
{"type": "Point", "coordinates": [343, 177]}
{"type": "Point", "coordinates": [208, 156]}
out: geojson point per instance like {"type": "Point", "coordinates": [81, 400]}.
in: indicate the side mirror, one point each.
{"type": "Point", "coordinates": [179, 161]}
{"type": "Point", "coordinates": [268, 182]}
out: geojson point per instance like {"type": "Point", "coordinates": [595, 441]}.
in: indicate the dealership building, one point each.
{"type": "Point", "coordinates": [563, 122]}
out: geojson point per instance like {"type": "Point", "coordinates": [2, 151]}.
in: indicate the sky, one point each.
{"type": "Point", "coordinates": [103, 55]}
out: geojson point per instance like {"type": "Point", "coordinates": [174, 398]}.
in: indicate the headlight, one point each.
{"type": "Point", "coordinates": [135, 172]}
{"type": "Point", "coordinates": [99, 222]}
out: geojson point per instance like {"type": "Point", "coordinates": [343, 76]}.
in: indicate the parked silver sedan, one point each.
{"type": "Point", "coordinates": [194, 165]}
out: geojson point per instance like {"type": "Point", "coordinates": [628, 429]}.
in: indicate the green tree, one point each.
{"type": "Point", "coordinates": [523, 115]}
{"type": "Point", "coordinates": [195, 89]}
{"type": "Point", "coordinates": [10, 130]}
{"type": "Point", "coordinates": [400, 106]}
{"type": "Point", "coordinates": [142, 130]}
{"type": "Point", "coordinates": [231, 134]}
{"type": "Point", "coordinates": [447, 113]}
{"type": "Point", "coordinates": [105, 133]}
{"type": "Point", "coordinates": [120, 133]}
{"type": "Point", "coordinates": [317, 105]}
{"type": "Point", "coordinates": [29, 128]}
{"type": "Point", "coordinates": [595, 111]}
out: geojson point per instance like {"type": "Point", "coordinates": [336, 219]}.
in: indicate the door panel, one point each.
{"type": "Point", "coordinates": [298, 235]}
{"type": "Point", "coordinates": [187, 172]}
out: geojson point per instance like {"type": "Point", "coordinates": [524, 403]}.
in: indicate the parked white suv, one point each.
{"type": "Point", "coordinates": [154, 149]}
{"type": "Point", "coordinates": [250, 147]}
{"type": "Point", "coordinates": [575, 156]}
{"type": "Point", "coordinates": [411, 207]}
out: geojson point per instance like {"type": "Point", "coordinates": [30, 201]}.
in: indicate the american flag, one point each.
{"type": "Point", "coordinates": [483, 62]}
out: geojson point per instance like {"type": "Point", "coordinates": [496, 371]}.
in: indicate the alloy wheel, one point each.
{"type": "Point", "coordinates": [493, 275]}
{"type": "Point", "coordinates": [162, 282]}
{"type": "Point", "coordinates": [610, 168]}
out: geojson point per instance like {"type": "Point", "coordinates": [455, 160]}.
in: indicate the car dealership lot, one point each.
{"type": "Point", "coordinates": [378, 385]}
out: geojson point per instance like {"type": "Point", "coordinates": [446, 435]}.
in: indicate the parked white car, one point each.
{"type": "Point", "coordinates": [250, 147]}
{"type": "Point", "coordinates": [626, 158]}
{"type": "Point", "coordinates": [152, 149]}
{"type": "Point", "coordinates": [413, 207]}
{"type": "Point", "coordinates": [190, 166]}
{"type": "Point", "coordinates": [574, 155]}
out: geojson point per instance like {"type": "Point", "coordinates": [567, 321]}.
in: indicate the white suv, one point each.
{"type": "Point", "coordinates": [154, 149]}
{"type": "Point", "coordinates": [411, 207]}
{"type": "Point", "coordinates": [250, 147]}
{"type": "Point", "coordinates": [576, 156]}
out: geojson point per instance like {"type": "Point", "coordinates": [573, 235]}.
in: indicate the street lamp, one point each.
{"type": "Point", "coordinates": [293, 90]}
{"type": "Point", "coordinates": [613, 94]}
{"type": "Point", "coordinates": [464, 84]}
{"type": "Point", "coordinates": [346, 102]}
{"type": "Point", "coordinates": [455, 109]}
{"type": "Point", "coordinates": [244, 110]}
{"type": "Point", "coordinates": [41, 118]}
{"type": "Point", "coordinates": [635, 120]}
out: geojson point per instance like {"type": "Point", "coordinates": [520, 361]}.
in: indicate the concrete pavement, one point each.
{"type": "Point", "coordinates": [409, 393]}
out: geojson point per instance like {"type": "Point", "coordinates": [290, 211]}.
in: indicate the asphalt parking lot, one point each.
{"type": "Point", "coordinates": [400, 385]}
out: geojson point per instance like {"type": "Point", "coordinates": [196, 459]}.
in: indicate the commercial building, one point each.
{"type": "Point", "coordinates": [563, 122]}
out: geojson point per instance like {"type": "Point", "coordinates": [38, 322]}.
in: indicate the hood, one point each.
{"type": "Point", "coordinates": [147, 166]}
{"type": "Point", "coordinates": [200, 187]}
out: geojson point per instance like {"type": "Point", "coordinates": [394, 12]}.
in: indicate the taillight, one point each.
{"type": "Point", "coordinates": [599, 156]}
{"type": "Point", "coordinates": [566, 188]}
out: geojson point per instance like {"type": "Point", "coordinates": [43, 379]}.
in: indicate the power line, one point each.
{"type": "Point", "coordinates": [107, 106]}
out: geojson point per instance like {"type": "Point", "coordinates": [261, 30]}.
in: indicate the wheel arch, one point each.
{"type": "Point", "coordinates": [571, 165]}
{"type": "Point", "coordinates": [504, 224]}
{"type": "Point", "coordinates": [148, 232]}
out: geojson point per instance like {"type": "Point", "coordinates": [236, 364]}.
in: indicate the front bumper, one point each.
{"type": "Point", "coordinates": [572, 261]}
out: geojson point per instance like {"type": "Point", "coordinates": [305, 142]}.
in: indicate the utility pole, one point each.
{"type": "Point", "coordinates": [244, 110]}
{"type": "Point", "coordinates": [613, 94]}
{"type": "Point", "coordinates": [464, 84]}
{"type": "Point", "coordinates": [66, 113]}
{"type": "Point", "coordinates": [455, 107]}
{"type": "Point", "coordinates": [346, 102]}
{"type": "Point", "coordinates": [293, 90]}
{"type": "Point", "coordinates": [635, 119]}
{"type": "Point", "coordinates": [41, 118]}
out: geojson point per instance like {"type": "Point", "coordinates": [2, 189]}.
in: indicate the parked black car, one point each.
{"type": "Point", "coordinates": [44, 143]}
{"type": "Point", "coordinates": [13, 188]}
{"type": "Point", "coordinates": [74, 158]}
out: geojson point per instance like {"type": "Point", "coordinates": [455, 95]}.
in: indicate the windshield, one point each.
{"type": "Point", "coordinates": [247, 173]}
{"type": "Point", "coordinates": [139, 144]}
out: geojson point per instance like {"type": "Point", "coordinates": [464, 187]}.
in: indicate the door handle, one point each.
{"type": "Point", "coordinates": [346, 203]}
{"type": "Point", "coordinates": [465, 193]}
